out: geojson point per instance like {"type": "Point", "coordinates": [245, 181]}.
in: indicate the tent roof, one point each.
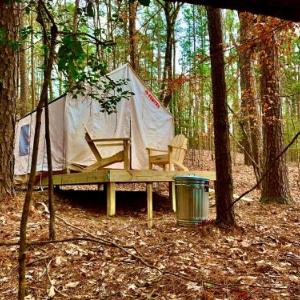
{"type": "Point", "coordinates": [110, 73]}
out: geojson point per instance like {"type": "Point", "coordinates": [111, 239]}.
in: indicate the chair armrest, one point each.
{"type": "Point", "coordinates": [158, 150]}
{"type": "Point", "coordinates": [111, 140]}
{"type": "Point", "coordinates": [171, 146]}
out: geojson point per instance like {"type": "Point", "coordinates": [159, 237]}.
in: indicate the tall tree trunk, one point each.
{"type": "Point", "coordinates": [47, 121]}
{"type": "Point", "coordinates": [202, 112]}
{"type": "Point", "coordinates": [9, 19]}
{"type": "Point", "coordinates": [28, 196]}
{"type": "Point", "coordinates": [171, 11]}
{"type": "Point", "coordinates": [75, 16]}
{"type": "Point", "coordinates": [23, 74]}
{"type": "Point", "coordinates": [50, 177]}
{"type": "Point", "coordinates": [250, 117]}
{"type": "Point", "coordinates": [110, 31]}
{"type": "Point", "coordinates": [275, 186]}
{"type": "Point", "coordinates": [32, 69]}
{"type": "Point", "coordinates": [167, 71]}
{"type": "Point", "coordinates": [159, 56]}
{"type": "Point", "coordinates": [174, 54]}
{"type": "Point", "coordinates": [74, 30]}
{"type": "Point", "coordinates": [133, 35]}
{"type": "Point", "coordinates": [224, 187]}
{"type": "Point", "coordinates": [98, 29]}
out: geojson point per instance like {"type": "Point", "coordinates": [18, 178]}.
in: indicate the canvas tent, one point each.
{"type": "Point", "coordinates": [142, 118]}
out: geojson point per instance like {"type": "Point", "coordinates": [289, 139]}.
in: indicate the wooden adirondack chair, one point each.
{"type": "Point", "coordinates": [173, 156]}
{"type": "Point", "coordinates": [102, 162]}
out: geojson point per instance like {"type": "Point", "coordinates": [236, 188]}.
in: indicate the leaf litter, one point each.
{"type": "Point", "coordinates": [260, 259]}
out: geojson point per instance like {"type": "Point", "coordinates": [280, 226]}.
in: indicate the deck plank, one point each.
{"type": "Point", "coordinates": [125, 176]}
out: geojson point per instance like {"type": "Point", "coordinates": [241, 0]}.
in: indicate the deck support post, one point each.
{"type": "Point", "coordinates": [149, 187]}
{"type": "Point", "coordinates": [172, 194]}
{"type": "Point", "coordinates": [111, 198]}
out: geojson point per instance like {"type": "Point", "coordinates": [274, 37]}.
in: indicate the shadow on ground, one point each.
{"type": "Point", "coordinates": [127, 202]}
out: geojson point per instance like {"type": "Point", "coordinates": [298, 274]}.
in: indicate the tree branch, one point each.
{"type": "Point", "coordinates": [97, 41]}
{"type": "Point", "coordinates": [268, 170]}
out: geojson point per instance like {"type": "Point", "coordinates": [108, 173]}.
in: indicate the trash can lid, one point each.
{"type": "Point", "coordinates": [190, 178]}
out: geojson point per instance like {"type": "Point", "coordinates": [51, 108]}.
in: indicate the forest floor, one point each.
{"type": "Point", "coordinates": [121, 258]}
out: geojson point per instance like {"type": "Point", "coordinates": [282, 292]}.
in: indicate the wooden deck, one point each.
{"type": "Point", "coordinates": [110, 177]}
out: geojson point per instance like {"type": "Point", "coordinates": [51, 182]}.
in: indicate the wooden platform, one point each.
{"type": "Point", "coordinates": [110, 177]}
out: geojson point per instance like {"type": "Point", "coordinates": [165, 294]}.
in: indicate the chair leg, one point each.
{"type": "Point", "coordinates": [181, 166]}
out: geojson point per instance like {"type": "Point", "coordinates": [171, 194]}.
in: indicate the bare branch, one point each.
{"type": "Point", "coordinates": [97, 41]}
{"type": "Point", "coordinates": [268, 170]}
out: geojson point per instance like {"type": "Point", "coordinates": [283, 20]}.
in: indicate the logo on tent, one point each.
{"type": "Point", "coordinates": [152, 99]}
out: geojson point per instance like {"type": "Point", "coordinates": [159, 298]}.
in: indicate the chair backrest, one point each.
{"type": "Point", "coordinates": [180, 146]}
{"type": "Point", "coordinates": [92, 145]}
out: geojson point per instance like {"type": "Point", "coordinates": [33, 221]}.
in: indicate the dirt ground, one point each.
{"type": "Point", "coordinates": [121, 258]}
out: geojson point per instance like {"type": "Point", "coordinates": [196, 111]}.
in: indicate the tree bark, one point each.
{"type": "Point", "coordinates": [23, 74]}
{"type": "Point", "coordinates": [51, 204]}
{"type": "Point", "coordinates": [133, 35]}
{"type": "Point", "coordinates": [245, 80]}
{"type": "Point", "coordinates": [158, 45]}
{"type": "Point", "coordinates": [275, 186]}
{"type": "Point", "coordinates": [171, 12]}
{"type": "Point", "coordinates": [167, 72]}
{"type": "Point", "coordinates": [9, 23]}
{"type": "Point", "coordinates": [250, 119]}
{"type": "Point", "coordinates": [224, 186]}
{"type": "Point", "coordinates": [75, 16]}
{"type": "Point", "coordinates": [32, 69]}
{"type": "Point", "coordinates": [28, 196]}
{"type": "Point", "coordinates": [47, 121]}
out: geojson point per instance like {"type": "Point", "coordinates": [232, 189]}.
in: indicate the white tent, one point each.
{"type": "Point", "coordinates": [142, 118]}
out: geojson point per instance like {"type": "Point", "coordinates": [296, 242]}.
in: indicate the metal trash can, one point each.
{"type": "Point", "coordinates": [192, 200]}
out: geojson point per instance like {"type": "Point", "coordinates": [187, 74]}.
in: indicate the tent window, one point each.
{"type": "Point", "coordinates": [24, 140]}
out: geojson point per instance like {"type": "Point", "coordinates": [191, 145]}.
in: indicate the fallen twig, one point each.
{"type": "Point", "coordinates": [235, 196]}
{"type": "Point", "coordinates": [30, 263]}
{"type": "Point", "coordinates": [51, 281]}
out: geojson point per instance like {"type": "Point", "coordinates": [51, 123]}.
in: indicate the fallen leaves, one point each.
{"type": "Point", "coordinates": [258, 260]}
{"type": "Point", "coordinates": [72, 284]}
{"type": "Point", "coordinates": [51, 292]}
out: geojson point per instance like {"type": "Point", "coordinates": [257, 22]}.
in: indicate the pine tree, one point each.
{"type": "Point", "coordinates": [9, 21]}
{"type": "Point", "coordinates": [224, 186]}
